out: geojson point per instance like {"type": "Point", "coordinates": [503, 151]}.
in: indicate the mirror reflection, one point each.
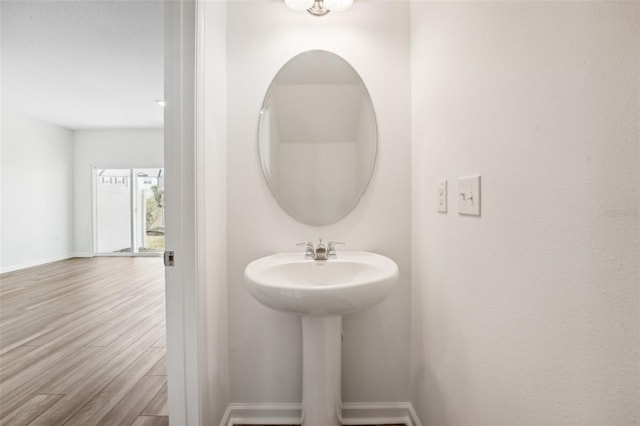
{"type": "Point", "coordinates": [317, 137]}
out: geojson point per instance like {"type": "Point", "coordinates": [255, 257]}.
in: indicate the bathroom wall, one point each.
{"type": "Point", "coordinates": [265, 358]}
{"type": "Point", "coordinates": [107, 148]}
{"type": "Point", "coordinates": [37, 189]}
{"type": "Point", "coordinates": [530, 313]}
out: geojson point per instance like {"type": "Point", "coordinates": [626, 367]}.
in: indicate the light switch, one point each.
{"type": "Point", "coordinates": [442, 196]}
{"type": "Point", "coordinates": [469, 195]}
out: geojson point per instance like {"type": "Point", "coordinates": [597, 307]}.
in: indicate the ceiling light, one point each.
{"type": "Point", "coordinates": [319, 7]}
{"type": "Point", "coordinates": [161, 102]}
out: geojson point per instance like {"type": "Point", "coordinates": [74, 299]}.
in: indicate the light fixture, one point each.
{"type": "Point", "coordinates": [161, 102]}
{"type": "Point", "coordinates": [319, 7]}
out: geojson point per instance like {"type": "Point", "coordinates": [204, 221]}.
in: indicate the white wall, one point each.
{"type": "Point", "coordinates": [529, 314]}
{"type": "Point", "coordinates": [265, 345]}
{"type": "Point", "coordinates": [107, 148]}
{"type": "Point", "coordinates": [212, 95]}
{"type": "Point", "coordinates": [36, 192]}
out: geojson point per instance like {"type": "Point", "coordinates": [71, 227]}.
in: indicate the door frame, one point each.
{"type": "Point", "coordinates": [183, 215]}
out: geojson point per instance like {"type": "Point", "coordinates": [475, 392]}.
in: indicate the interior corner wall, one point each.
{"type": "Point", "coordinates": [36, 217]}
{"type": "Point", "coordinates": [530, 313]}
{"type": "Point", "coordinates": [116, 148]}
{"type": "Point", "coordinates": [265, 346]}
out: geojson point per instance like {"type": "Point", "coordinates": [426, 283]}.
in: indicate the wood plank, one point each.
{"type": "Point", "coordinates": [151, 421]}
{"type": "Point", "coordinates": [130, 406]}
{"type": "Point", "coordinates": [110, 358]}
{"type": "Point", "coordinates": [82, 388]}
{"type": "Point", "coordinates": [103, 402]}
{"type": "Point", "coordinates": [27, 325]}
{"type": "Point", "coordinates": [31, 409]}
{"type": "Point", "coordinates": [160, 369]}
{"type": "Point", "coordinates": [162, 342]}
{"type": "Point", "coordinates": [24, 340]}
{"type": "Point", "coordinates": [144, 311]}
{"type": "Point", "coordinates": [49, 354]}
{"type": "Point", "coordinates": [16, 354]}
{"type": "Point", "coordinates": [18, 389]}
{"type": "Point", "coordinates": [158, 406]}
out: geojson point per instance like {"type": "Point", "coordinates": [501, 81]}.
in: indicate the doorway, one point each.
{"type": "Point", "coordinates": [85, 74]}
{"type": "Point", "coordinates": [128, 211]}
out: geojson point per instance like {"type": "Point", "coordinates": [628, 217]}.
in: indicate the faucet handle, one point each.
{"type": "Point", "coordinates": [310, 251]}
{"type": "Point", "coordinates": [331, 248]}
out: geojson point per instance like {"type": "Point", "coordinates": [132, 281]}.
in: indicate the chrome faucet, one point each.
{"type": "Point", "coordinates": [320, 252]}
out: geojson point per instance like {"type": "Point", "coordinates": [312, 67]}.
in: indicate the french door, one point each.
{"type": "Point", "coordinates": [128, 211]}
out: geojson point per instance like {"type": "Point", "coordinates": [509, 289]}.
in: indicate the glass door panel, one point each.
{"type": "Point", "coordinates": [149, 210]}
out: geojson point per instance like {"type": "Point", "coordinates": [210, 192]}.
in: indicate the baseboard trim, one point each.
{"type": "Point", "coordinates": [368, 413]}
{"type": "Point", "coordinates": [26, 265]}
{"type": "Point", "coordinates": [88, 254]}
{"type": "Point", "coordinates": [269, 414]}
{"type": "Point", "coordinates": [353, 413]}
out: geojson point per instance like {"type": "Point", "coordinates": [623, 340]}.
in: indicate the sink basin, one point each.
{"type": "Point", "coordinates": [352, 281]}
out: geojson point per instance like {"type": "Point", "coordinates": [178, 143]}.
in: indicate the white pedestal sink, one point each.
{"type": "Point", "coordinates": [321, 292]}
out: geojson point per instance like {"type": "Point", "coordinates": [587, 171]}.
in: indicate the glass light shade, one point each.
{"type": "Point", "coordinates": [299, 5]}
{"type": "Point", "coordinates": [338, 5]}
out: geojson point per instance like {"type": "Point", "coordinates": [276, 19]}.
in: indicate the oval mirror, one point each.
{"type": "Point", "coordinates": [317, 137]}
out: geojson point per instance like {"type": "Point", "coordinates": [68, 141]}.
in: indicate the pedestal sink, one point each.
{"type": "Point", "coordinates": [321, 292]}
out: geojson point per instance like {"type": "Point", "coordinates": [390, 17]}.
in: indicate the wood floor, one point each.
{"type": "Point", "coordinates": [82, 342]}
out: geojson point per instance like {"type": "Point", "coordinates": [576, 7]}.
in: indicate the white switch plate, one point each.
{"type": "Point", "coordinates": [469, 195]}
{"type": "Point", "coordinates": [442, 196]}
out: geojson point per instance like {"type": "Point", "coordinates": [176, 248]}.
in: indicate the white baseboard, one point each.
{"type": "Point", "coordinates": [270, 414]}
{"type": "Point", "coordinates": [35, 263]}
{"type": "Point", "coordinates": [353, 413]}
{"type": "Point", "coordinates": [368, 413]}
{"type": "Point", "coordinates": [89, 254]}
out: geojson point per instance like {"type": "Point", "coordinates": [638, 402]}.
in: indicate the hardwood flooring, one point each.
{"type": "Point", "coordinates": [82, 342]}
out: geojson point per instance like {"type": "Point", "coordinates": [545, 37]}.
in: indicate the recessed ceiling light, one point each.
{"type": "Point", "coordinates": [161, 102]}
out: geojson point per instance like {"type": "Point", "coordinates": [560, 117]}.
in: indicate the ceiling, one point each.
{"type": "Point", "coordinates": [83, 64]}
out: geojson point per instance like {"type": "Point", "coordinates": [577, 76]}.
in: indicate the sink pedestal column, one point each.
{"type": "Point", "coordinates": [321, 370]}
